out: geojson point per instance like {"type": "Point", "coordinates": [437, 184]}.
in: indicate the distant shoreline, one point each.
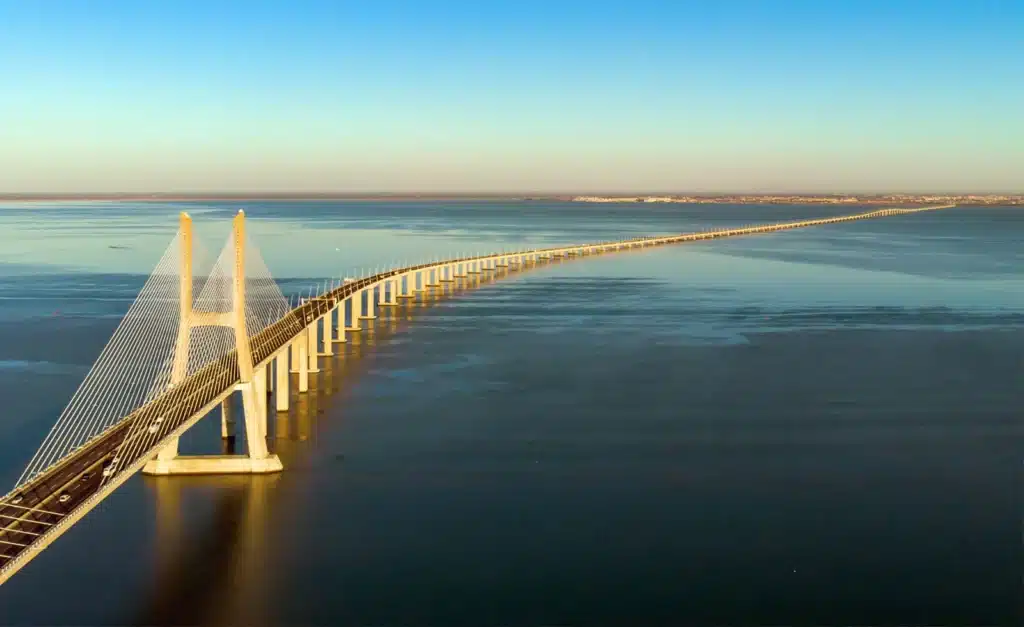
{"type": "Point", "coordinates": [739, 199]}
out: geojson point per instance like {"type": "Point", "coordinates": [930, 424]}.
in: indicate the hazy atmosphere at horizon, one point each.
{"type": "Point", "coordinates": [531, 96]}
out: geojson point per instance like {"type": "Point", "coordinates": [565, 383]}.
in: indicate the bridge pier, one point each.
{"type": "Point", "coordinates": [313, 348]}
{"type": "Point", "coordinates": [293, 350]}
{"type": "Point", "coordinates": [302, 362]}
{"type": "Point", "coordinates": [370, 315]}
{"type": "Point", "coordinates": [433, 275]}
{"type": "Point", "coordinates": [328, 326]}
{"type": "Point", "coordinates": [389, 296]}
{"type": "Point", "coordinates": [341, 323]}
{"type": "Point", "coordinates": [405, 285]}
{"type": "Point", "coordinates": [356, 305]}
{"type": "Point", "coordinates": [281, 385]}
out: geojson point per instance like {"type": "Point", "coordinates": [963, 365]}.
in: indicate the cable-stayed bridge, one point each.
{"type": "Point", "coordinates": [192, 339]}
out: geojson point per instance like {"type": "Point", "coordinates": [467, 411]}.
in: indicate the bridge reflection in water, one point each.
{"type": "Point", "coordinates": [217, 570]}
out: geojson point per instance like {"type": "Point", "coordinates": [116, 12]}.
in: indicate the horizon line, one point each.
{"type": "Point", "coordinates": [491, 194]}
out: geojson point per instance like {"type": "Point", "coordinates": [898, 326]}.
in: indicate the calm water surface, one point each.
{"type": "Point", "coordinates": [813, 427]}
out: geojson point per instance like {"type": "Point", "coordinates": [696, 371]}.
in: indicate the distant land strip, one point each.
{"type": "Point", "coordinates": [738, 199]}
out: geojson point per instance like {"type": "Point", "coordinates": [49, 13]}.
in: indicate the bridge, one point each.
{"type": "Point", "coordinates": [190, 341]}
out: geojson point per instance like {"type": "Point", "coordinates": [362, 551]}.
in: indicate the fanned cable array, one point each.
{"type": "Point", "coordinates": [156, 348]}
{"type": "Point", "coordinates": [133, 368]}
{"type": "Point", "coordinates": [265, 304]}
{"type": "Point", "coordinates": [203, 345]}
{"type": "Point", "coordinates": [212, 364]}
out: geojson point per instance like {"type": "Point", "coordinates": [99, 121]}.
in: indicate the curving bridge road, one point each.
{"type": "Point", "coordinates": [42, 509]}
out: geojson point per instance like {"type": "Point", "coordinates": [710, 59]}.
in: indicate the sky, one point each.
{"type": "Point", "coordinates": [524, 96]}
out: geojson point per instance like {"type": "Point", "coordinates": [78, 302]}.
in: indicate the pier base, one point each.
{"type": "Point", "coordinates": [213, 465]}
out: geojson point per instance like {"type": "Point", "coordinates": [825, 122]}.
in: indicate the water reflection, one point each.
{"type": "Point", "coordinates": [216, 573]}
{"type": "Point", "coordinates": [213, 575]}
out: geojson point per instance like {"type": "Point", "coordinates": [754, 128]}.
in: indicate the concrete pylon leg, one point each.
{"type": "Point", "coordinates": [168, 452]}
{"type": "Point", "coordinates": [259, 460]}
{"type": "Point", "coordinates": [281, 391]}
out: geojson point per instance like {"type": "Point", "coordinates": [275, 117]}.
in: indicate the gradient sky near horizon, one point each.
{"type": "Point", "coordinates": [530, 95]}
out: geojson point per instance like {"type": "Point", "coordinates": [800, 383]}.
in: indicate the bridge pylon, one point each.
{"type": "Point", "coordinates": [252, 383]}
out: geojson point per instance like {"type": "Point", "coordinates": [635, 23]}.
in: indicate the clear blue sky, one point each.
{"type": "Point", "coordinates": [701, 95]}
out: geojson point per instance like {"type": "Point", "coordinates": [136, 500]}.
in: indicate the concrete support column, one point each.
{"type": "Point", "coordinates": [281, 391]}
{"type": "Point", "coordinates": [356, 303]}
{"type": "Point", "coordinates": [313, 350]}
{"type": "Point", "coordinates": [329, 332]}
{"type": "Point", "coordinates": [293, 350]}
{"type": "Point", "coordinates": [369, 304]}
{"type": "Point", "coordinates": [260, 383]}
{"type": "Point", "coordinates": [389, 293]}
{"type": "Point", "coordinates": [341, 323]}
{"type": "Point", "coordinates": [303, 360]}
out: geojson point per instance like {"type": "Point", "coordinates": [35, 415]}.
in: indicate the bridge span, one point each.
{"type": "Point", "coordinates": [179, 355]}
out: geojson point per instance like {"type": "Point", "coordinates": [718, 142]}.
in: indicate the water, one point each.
{"type": "Point", "coordinates": [811, 427]}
